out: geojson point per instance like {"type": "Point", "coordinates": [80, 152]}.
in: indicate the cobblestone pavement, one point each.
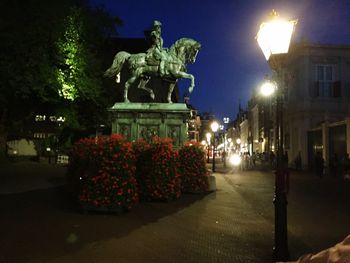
{"type": "Point", "coordinates": [233, 224]}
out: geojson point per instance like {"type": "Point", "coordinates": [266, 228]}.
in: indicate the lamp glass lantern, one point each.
{"type": "Point", "coordinates": [275, 35]}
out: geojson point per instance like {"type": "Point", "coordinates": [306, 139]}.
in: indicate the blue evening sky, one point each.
{"type": "Point", "coordinates": [230, 63]}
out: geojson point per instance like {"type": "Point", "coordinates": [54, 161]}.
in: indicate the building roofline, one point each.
{"type": "Point", "coordinates": [319, 45]}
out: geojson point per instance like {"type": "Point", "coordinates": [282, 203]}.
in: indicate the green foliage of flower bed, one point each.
{"type": "Point", "coordinates": [103, 172]}
{"type": "Point", "coordinates": [156, 171]}
{"type": "Point", "coordinates": [192, 169]}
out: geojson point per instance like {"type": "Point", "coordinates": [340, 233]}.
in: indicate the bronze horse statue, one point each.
{"type": "Point", "coordinates": [143, 66]}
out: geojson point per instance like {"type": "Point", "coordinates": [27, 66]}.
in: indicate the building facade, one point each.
{"type": "Point", "coordinates": [315, 82]}
{"type": "Point", "coordinates": [316, 79]}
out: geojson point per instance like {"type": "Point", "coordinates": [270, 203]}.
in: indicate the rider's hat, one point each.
{"type": "Point", "coordinates": [157, 23]}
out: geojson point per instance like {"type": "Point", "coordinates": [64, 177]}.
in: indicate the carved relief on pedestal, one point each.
{"type": "Point", "coordinates": [148, 132]}
{"type": "Point", "coordinates": [174, 134]}
{"type": "Point", "coordinates": [125, 130]}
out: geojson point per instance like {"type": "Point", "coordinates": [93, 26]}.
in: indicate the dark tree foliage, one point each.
{"type": "Point", "coordinates": [38, 56]}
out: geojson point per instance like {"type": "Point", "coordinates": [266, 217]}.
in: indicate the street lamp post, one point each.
{"type": "Point", "coordinates": [274, 39]}
{"type": "Point", "coordinates": [224, 153]}
{"type": "Point", "coordinates": [208, 135]}
{"type": "Point", "coordinates": [226, 121]}
{"type": "Point", "coordinates": [214, 128]}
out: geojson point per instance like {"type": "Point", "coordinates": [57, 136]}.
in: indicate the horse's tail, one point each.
{"type": "Point", "coordinates": [117, 64]}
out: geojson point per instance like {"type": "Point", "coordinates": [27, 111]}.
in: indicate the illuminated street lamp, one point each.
{"type": "Point", "coordinates": [274, 39]}
{"type": "Point", "coordinates": [238, 142]}
{"type": "Point", "coordinates": [275, 35]}
{"type": "Point", "coordinates": [226, 121]}
{"type": "Point", "coordinates": [214, 128]}
{"type": "Point", "coordinates": [268, 88]}
{"type": "Point", "coordinates": [208, 135]}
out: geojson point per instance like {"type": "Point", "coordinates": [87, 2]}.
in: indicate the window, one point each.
{"type": "Point", "coordinates": [325, 84]}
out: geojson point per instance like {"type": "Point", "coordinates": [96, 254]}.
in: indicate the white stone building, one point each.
{"type": "Point", "coordinates": [316, 79]}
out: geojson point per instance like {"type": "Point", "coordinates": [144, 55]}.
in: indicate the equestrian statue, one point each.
{"type": "Point", "coordinates": [167, 64]}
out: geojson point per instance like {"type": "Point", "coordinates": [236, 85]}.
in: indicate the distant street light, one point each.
{"type": "Point", "coordinates": [226, 121]}
{"type": "Point", "coordinates": [268, 88]}
{"type": "Point", "coordinates": [274, 39]}
{"type": "Point", "coordinates": [235, 159]}
{"type": "Point", "coordinates": [238, 144]}
{"type": "Point", "coordinates": [214, 128]}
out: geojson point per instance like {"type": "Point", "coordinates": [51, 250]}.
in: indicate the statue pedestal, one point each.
{"type": "Point", "coordinates": [146, 120]}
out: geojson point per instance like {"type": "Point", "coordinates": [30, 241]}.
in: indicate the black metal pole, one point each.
{"type": "Point", "coordinates": [208, 153]}
{"type": "Point", "coordinates": [213, 168]}
{"type": "Point", "coordinates": [224, 157]}
{"type": "Point", "coordinates": [280, 250]}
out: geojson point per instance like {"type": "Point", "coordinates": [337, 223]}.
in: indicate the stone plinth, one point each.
{"type": "Point", "coordinates": [146, 120]}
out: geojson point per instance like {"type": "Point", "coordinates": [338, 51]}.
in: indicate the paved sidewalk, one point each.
{"type": "Point", "coordinates": [44, 226]}
{"type": "Point", "coordinates": [233, 224]}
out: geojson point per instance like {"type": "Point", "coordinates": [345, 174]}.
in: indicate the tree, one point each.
{"type": "Point", "coordinates": [50, 62]}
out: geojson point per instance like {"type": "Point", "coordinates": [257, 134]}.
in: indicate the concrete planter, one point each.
{"type": "Point", "coordinates": [212, 183]}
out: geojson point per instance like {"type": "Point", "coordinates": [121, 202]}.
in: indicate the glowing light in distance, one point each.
{"type": "Point", "coordinates": [214, 126]}
{"type": "Point", "coordinates": [267, 88]}
{"type": "Point", "coordinates": [235, 159]}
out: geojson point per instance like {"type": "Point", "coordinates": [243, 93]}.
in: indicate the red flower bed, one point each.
{"type": "Point", "coordinates": [139, 147]}
{"type": "Point", "coordinates": [109, 173]}
{"type": "Point", "coordinates": [105, 168]}
{"type": "Point", "coordinates": [156, 172]}
{"type": "Point", "coordinates": [192, 169]}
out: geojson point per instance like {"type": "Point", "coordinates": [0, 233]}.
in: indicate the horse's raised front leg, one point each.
{"type": "Point", "coordinates": [186, 76]}
{"type": "Point", "coordinates": [142, 85]}
{"type": "Point", "coordinates": [191, 87]}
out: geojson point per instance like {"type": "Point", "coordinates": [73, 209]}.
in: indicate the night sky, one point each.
{"type": "Point", "coordinates": [230, 63]}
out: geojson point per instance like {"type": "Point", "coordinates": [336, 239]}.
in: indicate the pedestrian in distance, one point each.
{"type": "Point", "coordinates": [223, 156]}
{"type": "Point", "coordinates": [319, 164]}
{"type": "Point", "coordinates": [253, 158]}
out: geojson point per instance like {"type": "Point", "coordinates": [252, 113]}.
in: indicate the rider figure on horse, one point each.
{"type": "Point", "coordinates": [156, 49]}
